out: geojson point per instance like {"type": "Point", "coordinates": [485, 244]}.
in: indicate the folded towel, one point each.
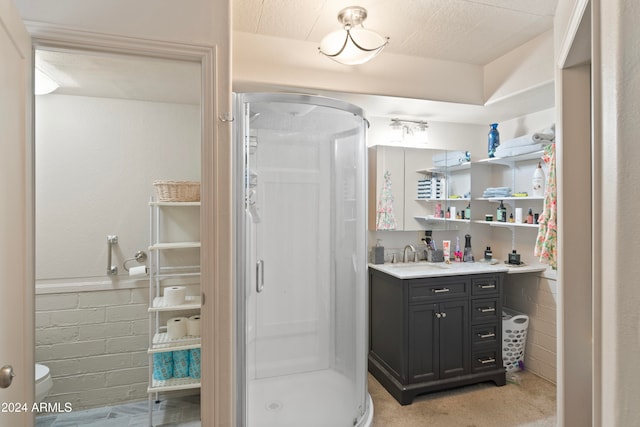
{"type": "Point", "coordinates": [515, 151]}
{"type": "Point", "coordinates": [448, 155]}
{"type": "Point", "coordinates": [517, 142]}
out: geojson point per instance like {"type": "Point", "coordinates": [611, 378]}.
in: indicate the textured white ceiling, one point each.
{"type": "Point", "coordinates": [470, 31]}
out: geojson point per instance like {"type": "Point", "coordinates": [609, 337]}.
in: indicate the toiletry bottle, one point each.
{"type": "Point", "coordinates": [467, 211]}
{"type": "Point", "coordinates": [501, 213]}
{"type": "Point", "coordinates": [488, 254]}
{"type": "Point", "coordinates": [537, 183]}
{"type": "Point", "coordinates": [511, 218]}
{"type": "Point", "coordinates": [448, 214]}
{"type": "Point", "coordinates": [514, 258]}
{"type": "Point", "coordinates": [530, 217]}
{"type": "Point", "coordinates": [378, 253]}
{"type": "Point", "coordinates": [468, 254]}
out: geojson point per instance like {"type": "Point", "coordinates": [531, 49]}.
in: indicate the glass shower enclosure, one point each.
{"type": "Point", "coordinates": [300, 186]}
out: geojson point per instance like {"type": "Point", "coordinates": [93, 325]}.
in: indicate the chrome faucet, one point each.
{"type": "Point", "coordinates": [405, 258]}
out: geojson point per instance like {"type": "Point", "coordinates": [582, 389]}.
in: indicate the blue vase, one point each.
{"type": "Point", "coordinates": [494, 139]}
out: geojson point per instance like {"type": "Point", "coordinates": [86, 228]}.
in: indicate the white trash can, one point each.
{"type": "Point", "coordinates": [514, 339]}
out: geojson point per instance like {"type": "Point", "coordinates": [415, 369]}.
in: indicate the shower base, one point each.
{"type": "Point", "coordinates": [289, 401]}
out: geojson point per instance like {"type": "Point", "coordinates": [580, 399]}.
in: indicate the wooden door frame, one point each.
{"type": "Point", "coordinates": [217, 391]}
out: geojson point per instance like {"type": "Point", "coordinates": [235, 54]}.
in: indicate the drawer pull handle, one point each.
{"type": "Point", "coordinates": [487, 335]}
{"type": "Point", "coordinates": [485, 361]}
{"type": "Point", "coordinates": [441, 290]}
{"type": "Point", "coordinates": [487, 309]}
{"type": "Point", "coordinates": [491, 286]}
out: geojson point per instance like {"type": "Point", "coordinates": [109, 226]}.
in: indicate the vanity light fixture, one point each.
{"type": "Point", "coordinates": [353, 44]}
{"type": "Point", "coordinates": [409, 126]}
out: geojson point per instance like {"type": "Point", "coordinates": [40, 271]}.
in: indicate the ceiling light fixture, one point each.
{"type": "Point", "coordinates": [353, 44]}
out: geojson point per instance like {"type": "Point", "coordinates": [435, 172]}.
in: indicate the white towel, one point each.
{"type": "Point", "coordinates": [448, 155]}
{"type": "Point", "coordinates": [515, 151]}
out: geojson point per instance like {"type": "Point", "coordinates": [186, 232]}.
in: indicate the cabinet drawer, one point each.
{"type": "Point", "coordinates": [484, 335]}
{"type": "Point", "coordinates": [485, 360]}
{"type": "Point", "coordinates": [426, 290]}
{"type": "Point", "coordinates": [485, 310]}
{"type": "Point", "coordinates": [485, 285]}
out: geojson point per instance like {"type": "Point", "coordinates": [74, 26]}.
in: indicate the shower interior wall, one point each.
{"type": "Point", "coordinates": [96, 159]}
{"type": "Point", "coordinates": [304, 324]}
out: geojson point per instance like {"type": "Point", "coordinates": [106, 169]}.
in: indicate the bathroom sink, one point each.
{"type": "Point", "coordinates": [414, 270]}
{"type": "Point", "coordinates": [420, 265]}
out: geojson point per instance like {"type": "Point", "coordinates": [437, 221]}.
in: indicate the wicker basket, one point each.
{"type": "Point", "coordinates": [177, 191]}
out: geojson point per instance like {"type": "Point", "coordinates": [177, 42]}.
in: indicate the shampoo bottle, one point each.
{"type": "Point", "coordinates": [501, 213]}
{"type": "Point", "coordinates": [537, 183]}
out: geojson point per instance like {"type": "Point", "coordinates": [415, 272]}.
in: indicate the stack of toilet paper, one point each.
{"type": "Point", "coordinates": [180, 327]}
{"type": "Point", "coordinates": [176, 364]}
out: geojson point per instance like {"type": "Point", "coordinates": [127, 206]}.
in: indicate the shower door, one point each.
{"type": "Point", "coordinates": [301, 263]}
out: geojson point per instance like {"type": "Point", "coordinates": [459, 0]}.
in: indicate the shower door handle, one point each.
{"type": "Point", "coordinates": [260, 276]}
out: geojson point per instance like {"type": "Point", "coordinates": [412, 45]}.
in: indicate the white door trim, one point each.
{"type": "Point", "coordinates": [47, 36]}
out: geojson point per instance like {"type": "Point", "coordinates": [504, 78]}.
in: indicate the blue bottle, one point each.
{"type": "Point", "coordinates": [494, 139]}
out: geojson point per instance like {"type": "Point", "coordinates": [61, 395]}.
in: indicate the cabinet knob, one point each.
{"type": "Point", "coordinates": [438, 315]}
{"type": "Point", "coordinates": [443, 314]}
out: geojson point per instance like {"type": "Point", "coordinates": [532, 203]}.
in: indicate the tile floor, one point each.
{"type": "Point", "coordinates": [528, 402]}
{"type": "Point", "coordinates": [176, 412]}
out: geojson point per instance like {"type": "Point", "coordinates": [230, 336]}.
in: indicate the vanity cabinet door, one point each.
{"type": "Point", "coordinates": [423, 342]}
{"type": "Point", "coordinates": [454, 338]}
{"type": "Point", "coordinates": [438, 340]}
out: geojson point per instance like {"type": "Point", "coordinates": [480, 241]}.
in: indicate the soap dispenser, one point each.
{"type": "Point", "coordinates": [378, 253]}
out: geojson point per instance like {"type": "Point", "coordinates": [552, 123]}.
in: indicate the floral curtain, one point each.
{"type": "Point", "coordinates": [546, 242]}
{"type": "Point", "coordinates": [385, 218]}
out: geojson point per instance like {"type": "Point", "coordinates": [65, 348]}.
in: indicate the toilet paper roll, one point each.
{"type": "Point", "coordinates": [138, 271]}
{"type": "Point", "coordinates": [176, 327]}
{"type": "Point", "coordinates": [193, 326]}
{"type": "Point", "coordinates": [162, 366]}
{"type": "Point", "coordinates": [175, 295]}
{"type": "Point", "coordinates": [194, 363]}
{"type": "Point", "coordinates": [181, 364]}
{"type": "Point", "coordinates": [519, 215]}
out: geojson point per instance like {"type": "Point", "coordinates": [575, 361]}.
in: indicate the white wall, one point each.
{"type": "Point", "coordinates": [96, 159]}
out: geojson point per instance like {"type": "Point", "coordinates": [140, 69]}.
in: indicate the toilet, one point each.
{"type": "Point", "coordinates": [43, 382]}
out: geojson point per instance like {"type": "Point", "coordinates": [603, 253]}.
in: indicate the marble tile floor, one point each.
{"type": "Point", "coordinates": [175, 412]}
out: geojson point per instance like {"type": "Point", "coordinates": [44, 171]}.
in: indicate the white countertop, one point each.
{"type": "Point", "coordinates": [416, 270]}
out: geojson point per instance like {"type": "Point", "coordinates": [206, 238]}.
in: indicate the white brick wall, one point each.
{"type": "Point", "coordinates": [536, 296]}
{"type": "Point", "coordinates": [95, 344]}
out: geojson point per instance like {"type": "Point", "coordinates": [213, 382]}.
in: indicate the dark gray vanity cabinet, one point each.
{"type": "Point", "coordinates": [430, 334]}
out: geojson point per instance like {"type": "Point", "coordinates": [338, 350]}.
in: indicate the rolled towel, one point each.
{"type": "Point", "coordinates": [181, 364]}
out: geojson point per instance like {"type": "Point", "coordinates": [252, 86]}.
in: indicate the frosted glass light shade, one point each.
{"type": "Point", "coordinates": [353, 46]}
